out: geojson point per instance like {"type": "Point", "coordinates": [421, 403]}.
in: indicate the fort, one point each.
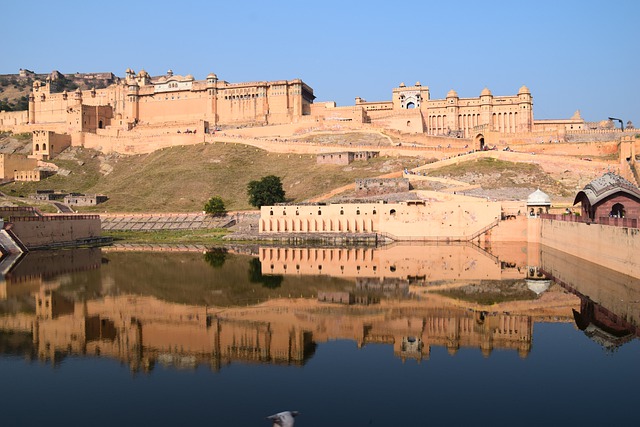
{"type": "Point", "coordinates": [140, 113]}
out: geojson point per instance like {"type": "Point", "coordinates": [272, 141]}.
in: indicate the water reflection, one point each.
{"type": "Point", "coordinates": [276, 305]}
{"type": "Point", "coordinates": [609, 312]}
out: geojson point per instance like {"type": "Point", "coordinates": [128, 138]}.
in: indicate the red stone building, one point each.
{"type": "Point", "coordinates": [609, 196]}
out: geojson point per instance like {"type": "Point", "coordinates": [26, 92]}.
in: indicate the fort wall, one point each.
{"type": "Point", "coordinates": [10, 119]}
{"type": "Point", "coordinates": [11, 163]}
{"type": "Point", "coordinates": [50, 230]}
{"type": "Point", "coordinates": [413, 220]}
{"type": "Point", "coordinates": [613, 247]}
{"type": "Point", "coordinates": [47, 144]}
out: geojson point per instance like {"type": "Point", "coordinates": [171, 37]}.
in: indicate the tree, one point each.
{"type": "Point", "coordinates": [267, 191]}
{"type": "Point", "coordinates": [271, 281]}
{"type": "Point", "coordinates": [215, 206]}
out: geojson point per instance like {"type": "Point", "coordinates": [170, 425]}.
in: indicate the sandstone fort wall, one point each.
{"type": "Point", "coordinates": [613, 247]}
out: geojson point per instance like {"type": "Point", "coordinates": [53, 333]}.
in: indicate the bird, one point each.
{"type": "Point", "coordinates": [284, 419]}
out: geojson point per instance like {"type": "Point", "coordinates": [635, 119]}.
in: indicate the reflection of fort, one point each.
{"type": "Point", "coordinates": [142, 331]}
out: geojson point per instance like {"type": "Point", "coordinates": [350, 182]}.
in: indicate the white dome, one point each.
{"type": "Point", "coordinates": [538, 198]}
{"type": "Point", "coordinates": [538, 286]}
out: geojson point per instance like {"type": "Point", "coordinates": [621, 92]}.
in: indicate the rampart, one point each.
{"type": "Point", "coordinates": [613, 247]}
{"type": "Point", "coordinates": [10, 120]}
{"type": "Point", "coordinates": [55, 230]}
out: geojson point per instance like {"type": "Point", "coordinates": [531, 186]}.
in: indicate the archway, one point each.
{"type": "Point", "coordinates": [100, 124]}
{"type": "Point", "coordinates": [480, 141]}
{"type": "Point", "coordinates": [617, 211]}
{"type": "Point", "coordinates": [411, 105]}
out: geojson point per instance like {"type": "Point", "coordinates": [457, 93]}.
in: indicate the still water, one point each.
{"type": "Point", "coordinates": [397, 336]}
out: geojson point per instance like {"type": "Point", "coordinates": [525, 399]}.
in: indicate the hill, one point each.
{"type": "Point", "coordinates": [182, 179]}
{"type": "Point", "coordinates": [15, 88]}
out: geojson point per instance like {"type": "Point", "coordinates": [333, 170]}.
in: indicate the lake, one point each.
{"type": "Point", "coordinates": [409, 335]}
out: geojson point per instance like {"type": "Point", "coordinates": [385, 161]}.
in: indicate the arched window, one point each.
{"type": "Point", "coordinates": [392, 212]}
{"type": "Point", "coordinates": [617, 211]}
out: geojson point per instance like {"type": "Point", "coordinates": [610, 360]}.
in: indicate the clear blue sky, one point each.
{"type": "Point", "coordinates": [572, 54]}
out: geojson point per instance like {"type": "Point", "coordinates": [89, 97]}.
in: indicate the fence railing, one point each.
{"type": "Point", "coordinates": [603, 220]}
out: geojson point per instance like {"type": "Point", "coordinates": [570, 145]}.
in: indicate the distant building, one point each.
{"type": "Point", "coordinates": [76, 199]}
{"type": "Point", "coordinates": [12, 163]}
{"type": "Point", "coordinates": [344, 157]}
{"type": "Point", "coordinates": [32, 175]}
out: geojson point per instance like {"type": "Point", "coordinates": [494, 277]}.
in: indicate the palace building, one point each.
{"type": "Point", "coordinates": [142, 99]}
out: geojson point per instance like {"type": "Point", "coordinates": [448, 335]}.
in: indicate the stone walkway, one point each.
{"type": "Point", "coordinates": [154, 222]}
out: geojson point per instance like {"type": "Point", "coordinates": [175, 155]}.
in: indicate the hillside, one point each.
{"type": "Point", "coordinates": [181, 179]}
{"type": "Point", "coordinates": [15, 89]}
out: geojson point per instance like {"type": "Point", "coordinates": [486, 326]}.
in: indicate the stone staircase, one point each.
{"type": "Point", "coordinates": [154, 222]}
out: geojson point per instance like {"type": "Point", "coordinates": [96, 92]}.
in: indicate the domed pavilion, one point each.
{"type": "Point", "coordinates": [609, 196]}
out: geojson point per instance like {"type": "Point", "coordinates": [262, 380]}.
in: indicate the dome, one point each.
{"type": "Point", "coordinates": [189, 77]}
{"type": "Point", "coordinates": [212, 76]}
{"type": "Point", "coordinates": [418, 84]}
{"type": "Point", "coordinates": [485, 92]}
{"type": "Point", "coordinates": [538, 198]}
{"type": "Point", "coordinates": [605, 186]}
{"type": "Point", "coordinates": [143, 73]}
{"type": "Point", "coordinates": [524, 91]}
{"type": "Point", "coordinates": [402, 84]}
{"type": "Point", "coordinates": [452, 94]}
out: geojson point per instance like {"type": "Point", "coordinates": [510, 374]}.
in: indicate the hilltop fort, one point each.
{"type": "Point", "coordinates": [139, 106]}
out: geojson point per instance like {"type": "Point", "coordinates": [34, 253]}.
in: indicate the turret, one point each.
{"type": "Point", "coordinates": [525, 108]}
{"type": "Point", "coordinates": [486, 107]}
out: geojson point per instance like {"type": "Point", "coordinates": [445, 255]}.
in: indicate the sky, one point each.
{"type": "Point", "coordinates": [572, 54]}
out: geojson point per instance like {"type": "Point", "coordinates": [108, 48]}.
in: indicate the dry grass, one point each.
{"type": "Point", "coordinates": [182, 179]}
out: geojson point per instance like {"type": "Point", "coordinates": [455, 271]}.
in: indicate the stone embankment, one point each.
{"type": "Point", "coordinates": [164, 221]}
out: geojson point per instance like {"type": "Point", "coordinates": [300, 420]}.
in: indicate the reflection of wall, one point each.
{"type": "Point", "coordinates": [39, 267]}
{"type": "Point", "coordinates": [418, 264]}
{"type": "Point", "coordinates": [611, 289]}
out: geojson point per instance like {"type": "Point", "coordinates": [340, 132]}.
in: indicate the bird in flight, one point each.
{"type": "Point", "coordinates": [283, 419]}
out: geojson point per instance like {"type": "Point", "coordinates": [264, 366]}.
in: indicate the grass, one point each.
{"type": "Point", "coordinates": [193, 237]}
{"type": "Point", "coordinates": [182, 179]}
{"type": "Point", "coordinates": [485, 166]}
